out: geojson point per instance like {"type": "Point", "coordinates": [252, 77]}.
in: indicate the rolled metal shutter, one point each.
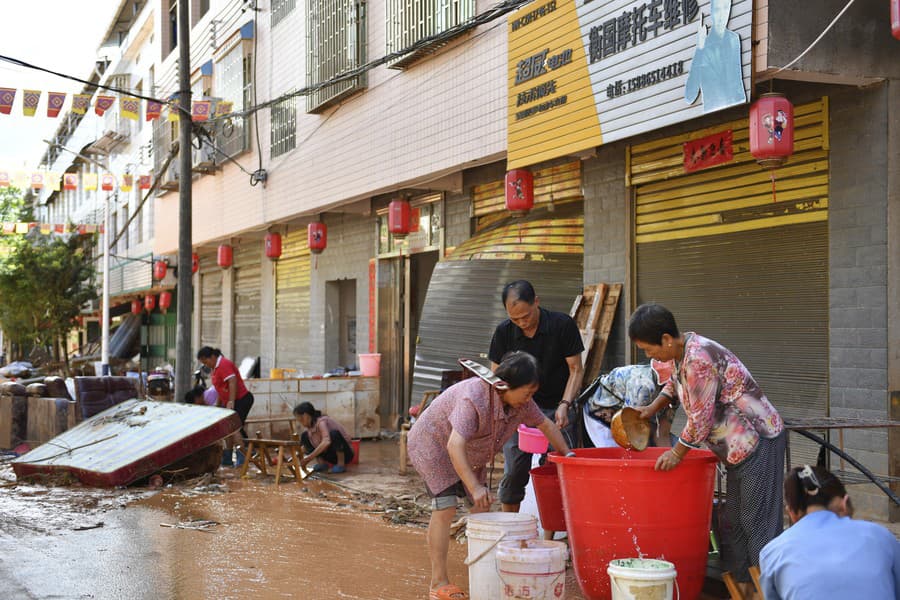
{"type": "Point", "coordinates": [210, 302]}
{"type": "Point", "coordinates": [247, 282]}
{"type": "Point", "coordinates": [292, 275]}
{"type": "Point", "coordinates": [736, 266]}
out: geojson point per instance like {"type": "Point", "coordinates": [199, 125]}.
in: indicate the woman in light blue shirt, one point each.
{"type": "Point", "coordinates": [826, 554]}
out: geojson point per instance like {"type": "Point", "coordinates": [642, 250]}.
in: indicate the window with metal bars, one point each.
{"type": "Point", "coordinates": [335, 45]}
{"type": "Point", "coordinates": [281, 9]}
{"type": "Point", "coordinates": [233, 85]}
{"type": "Point", "coordinates": [284, 126]}
{"type": "Point", "coordinates": [410, 21]}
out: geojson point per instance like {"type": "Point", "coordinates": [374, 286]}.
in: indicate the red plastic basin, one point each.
{"type": "Point", "coordinates": [617, 506]}
{"type": "Point", "coordinates": [549, 497]}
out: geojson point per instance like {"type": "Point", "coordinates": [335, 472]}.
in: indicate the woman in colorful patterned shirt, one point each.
{"type": "Point", "coordinates": [451, 443]}
{"type": "Point", "coordinates": [727, 411]}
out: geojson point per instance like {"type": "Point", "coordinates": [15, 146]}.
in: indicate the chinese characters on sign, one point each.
{"type": "Point", "coordinates": [635, 26]}
{"type": "Point", "coordinates": [708, 151]}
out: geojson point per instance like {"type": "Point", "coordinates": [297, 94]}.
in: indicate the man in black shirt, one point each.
{"type": "Point", "coordinates": [554, 340]}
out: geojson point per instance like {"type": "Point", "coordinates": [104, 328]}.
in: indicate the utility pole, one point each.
{"type": "Point", "coordinates": [183, 358]}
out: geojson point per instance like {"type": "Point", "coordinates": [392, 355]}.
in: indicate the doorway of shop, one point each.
{"type": "Point", "coordinates": [340, 324]}
{"type": "Point", "coordinates": [402, 284]}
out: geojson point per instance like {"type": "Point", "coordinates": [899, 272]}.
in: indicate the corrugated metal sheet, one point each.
{"type": "Point", "coordinates": [462, 308]}
{"type": "Point", "coordinates": [292, 276]}
{"type": "Point", "coordinates": [129, 441]}
{"type": "Point", "coordinates": [247, 271]}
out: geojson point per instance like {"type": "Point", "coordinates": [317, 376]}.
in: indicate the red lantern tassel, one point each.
{"type": "Point", "coordinates": [774, 198]}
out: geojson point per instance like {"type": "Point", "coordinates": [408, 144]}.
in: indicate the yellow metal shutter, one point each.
{"type": "Point", "coordinates": [552, 185]}
{"type": "Point", "coordinates": [292, 275]}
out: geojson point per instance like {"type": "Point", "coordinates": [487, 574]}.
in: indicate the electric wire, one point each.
{"type": "Point", "coordinates": [817, 40]}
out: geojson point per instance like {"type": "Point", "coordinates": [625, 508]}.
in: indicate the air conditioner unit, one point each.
{"type": "Point", "coordinates": [170, 177]}
{"type": "Point", "coordinates": [203, 158]}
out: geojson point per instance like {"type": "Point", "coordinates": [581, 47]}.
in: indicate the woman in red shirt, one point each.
{"type": "Point", "coordinates": [232, 392]}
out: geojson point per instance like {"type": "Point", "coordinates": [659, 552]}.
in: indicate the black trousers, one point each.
{"type": "Point", "coordinates": [242, 407]}
{"type": "Point", "coordinates": [338, 444]}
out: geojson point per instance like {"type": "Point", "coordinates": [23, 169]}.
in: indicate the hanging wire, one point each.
{"type": "Point", "coordinates": [817, 40]}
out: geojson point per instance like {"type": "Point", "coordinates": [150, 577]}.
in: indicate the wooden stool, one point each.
{"type": "Point", "coordinates": [291, 449]}
{"type": "Point", "coordinates": [735, 590]}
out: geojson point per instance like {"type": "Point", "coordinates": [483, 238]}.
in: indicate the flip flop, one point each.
{"type": "Point", "coordinates": [448, 592]}
{"type": "Point", "coordinates": [338, 469]}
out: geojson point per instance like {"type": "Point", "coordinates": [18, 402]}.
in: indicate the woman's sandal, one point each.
{"type": "Point", "coordinates": [448, 592]}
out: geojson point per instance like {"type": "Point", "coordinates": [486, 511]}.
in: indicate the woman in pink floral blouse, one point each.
{"type": "Point", "coordinates": [727, 411]}
{"type": "Point", "coordinates": [459, 433]}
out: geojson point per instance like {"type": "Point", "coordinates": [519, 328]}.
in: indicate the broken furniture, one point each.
{"type": "Point", "coordinates": [96, 394]}
{"type": "Point", "coordinates": [129, 441]}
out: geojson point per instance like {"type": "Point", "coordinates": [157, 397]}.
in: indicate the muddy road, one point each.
{"type": "Point", "coordinates": [312, 541]}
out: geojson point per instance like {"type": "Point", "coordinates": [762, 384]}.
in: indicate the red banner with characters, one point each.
{"type": "Point", "coordinates": [709, 151]}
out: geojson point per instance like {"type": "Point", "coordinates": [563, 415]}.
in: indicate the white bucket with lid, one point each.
{"type": "Point", "coordinates": [532, 569]}
{"type": "Point", "coordinates": [642, 579]}
{"type": "Point", "coordinates": [484, 532]}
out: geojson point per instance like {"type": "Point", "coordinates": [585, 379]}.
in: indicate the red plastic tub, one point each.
{"type": "Point", "coordinates": [617, 506]}
{"type": "Point", "coordinates": [549, 497]}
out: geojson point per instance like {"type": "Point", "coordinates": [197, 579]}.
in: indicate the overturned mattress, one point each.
{"type": "Point", "coordinates": [129, 441]}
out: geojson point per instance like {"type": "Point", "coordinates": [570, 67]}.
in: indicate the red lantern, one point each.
{"type": "Point", "coordinates": [273, 245]}
{"type": "Point", "coordinates": [225, 256]}
{"type": "Point", "coordinates": [135, 307]}
{"type": "Point", "coordinates": [895, 18]}
{"type": "Point", "coordinates": [195, 263]}
{"type": "Point", "coordinates": [398, 218]}
{"type": "Point", "coordinates": [150, 303]}
{"type": "Point", "coordinates": [159, 269]}
{"type": "Point", "coordinates": [107, 183]}
{"type": "Point", "coordinates": [165, 301]}
{"type": "Point", "coordinates": [772, 130]}
{"type": "Point", "coordinates": [317, 237]}
{"type": "Point", "coordinates": [519, 192]}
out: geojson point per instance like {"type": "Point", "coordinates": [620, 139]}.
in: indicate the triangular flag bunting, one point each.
{"type": "Point", "coordinates": [7, 95]}
{"type": "Point", "coordinates": [102, 104]}
{"type": "Point", "coordinates": [55, 102]}
{"type": "Point", "coordinates": [90, 181]}
{"type": "Point", "coordinates": [30, 99]}
{"type": "Point", "coordinates": [154, 109]}
{"type": "Point", "coordinates": [200, 110]}
{"type": "Point", "coordinates": [80, 103]}
{"type": "Point", "coordinates": [130, 108]}
{"type": "Point", "coordinates": [223, 108]}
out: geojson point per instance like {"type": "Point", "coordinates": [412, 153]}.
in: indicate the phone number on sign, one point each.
{"type": "Point", "coordinates": [622, 87]}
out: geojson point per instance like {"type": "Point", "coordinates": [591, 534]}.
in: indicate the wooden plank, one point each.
{"type": "Point", "coordinates": [607, 316]}
{"type": "Point", "coordinates": [589, 330]}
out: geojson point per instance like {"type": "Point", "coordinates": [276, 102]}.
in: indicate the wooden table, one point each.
{"type": "Point", "coordinates": [257, 452]}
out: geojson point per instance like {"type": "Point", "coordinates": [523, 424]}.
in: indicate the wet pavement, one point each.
{"type": "Point", "coordinates": [318, 540]}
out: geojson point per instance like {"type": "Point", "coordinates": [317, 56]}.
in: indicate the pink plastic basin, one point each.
{"type": "Point", "coordinates": [532, 440]}
{"type": "Point", "coordinates": [617, 506]}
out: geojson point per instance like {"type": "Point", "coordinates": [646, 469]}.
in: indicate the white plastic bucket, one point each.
{"type": "Point", "coordinates": [485, 531]}
{"type": "Point", "coordinates": [533, 569]}
{"type": "Point", "coordinates": [370, 364]}
{"type": "Point", "coordinates": [641, 579]}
